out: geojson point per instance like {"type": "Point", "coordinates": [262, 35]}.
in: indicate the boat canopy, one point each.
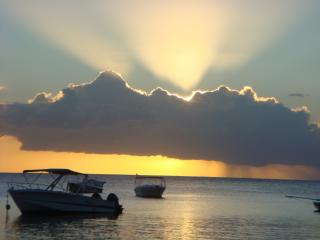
{"type": "Point", "coordinates": [150, 177]}
{"type": "Point", "coordinates": [61, 171]}
{"type": "Point", "coordinates": [150, 181]}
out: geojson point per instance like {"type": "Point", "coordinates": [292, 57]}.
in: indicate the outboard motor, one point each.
{"type": "Point", "coordinates": [113, 198]}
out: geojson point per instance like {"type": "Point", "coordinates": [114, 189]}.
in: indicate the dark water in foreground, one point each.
{"type": "Point", "coordinates": [193, 208]}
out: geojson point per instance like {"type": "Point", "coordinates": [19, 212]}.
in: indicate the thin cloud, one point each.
{"type": "Point", "coordinates": [298, 94]}
{"type": "Point", "coordinates": [107, 116]}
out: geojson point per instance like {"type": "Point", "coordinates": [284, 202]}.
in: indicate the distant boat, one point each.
{"type": "Point", "coordinates": [54, 198]}
{"type": "Point", "coordinates": [149, 186]}
{"type": "Point", "coordinates": [316, 202]}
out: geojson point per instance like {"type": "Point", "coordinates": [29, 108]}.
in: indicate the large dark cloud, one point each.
{"type": "Point", "coordinates": [107, 116]}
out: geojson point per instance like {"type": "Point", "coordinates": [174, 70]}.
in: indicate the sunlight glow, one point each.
{"type": "Point", "coordinates": [74, 31]}
{"type": "Point", "coordinates": [177, 40]}
{"type": "Point", "coordinates": [13, 159]}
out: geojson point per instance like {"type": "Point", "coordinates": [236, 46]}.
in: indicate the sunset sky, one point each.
{"type": "Point", "coordinates": [239, 87]}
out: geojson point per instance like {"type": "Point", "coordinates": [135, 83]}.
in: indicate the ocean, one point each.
{"type": "Point", "coordinates": [192, 208]}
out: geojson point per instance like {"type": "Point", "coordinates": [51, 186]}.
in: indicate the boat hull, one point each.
{"type": "Point", "coordinates": [42, 201]}
{"type": "Point", "coordinates": [149, 191]}
{"type": "Point", "coordinates": [317, 205]}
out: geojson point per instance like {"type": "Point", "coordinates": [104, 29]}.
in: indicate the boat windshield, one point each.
{"type": "Point", "coordinates": [150, 180]}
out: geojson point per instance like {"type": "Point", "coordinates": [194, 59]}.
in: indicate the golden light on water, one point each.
{"type": "Point", "coordinates": [177, 40]}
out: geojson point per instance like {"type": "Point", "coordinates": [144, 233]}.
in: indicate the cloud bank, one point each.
{"type": "Point", "coordinates": [107, 116]}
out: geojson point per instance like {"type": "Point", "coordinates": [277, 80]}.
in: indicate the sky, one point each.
{"type": "Point", "coordinates": [197, 88]}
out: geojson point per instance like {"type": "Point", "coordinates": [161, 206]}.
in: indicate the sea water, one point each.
{"type": "Point", "coordinates": [192, 208]}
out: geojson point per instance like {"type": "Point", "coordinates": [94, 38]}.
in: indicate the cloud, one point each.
{"type": "Point", "coordinates": [108, 116]}
{"type": "Point", "coordinates": [298, 94]}
{"type": "Point", "coordinates": [42, 97]}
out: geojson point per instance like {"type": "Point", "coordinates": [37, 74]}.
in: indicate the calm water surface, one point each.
{"type": "Point", "coordinates": [193, 208]}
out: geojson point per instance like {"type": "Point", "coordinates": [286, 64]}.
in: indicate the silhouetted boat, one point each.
{"type": "Point", "coordinates": [149, 186]}
{"type": "Point", "coordinates": [54, 198]}
{"type": "Point", "coordinates": [316, 202]}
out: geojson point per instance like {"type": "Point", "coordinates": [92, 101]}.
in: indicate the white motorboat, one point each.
{"type": "Point", "coordinates": [149, 186]}
{"type": "Point", "coordinates": [55, 198]}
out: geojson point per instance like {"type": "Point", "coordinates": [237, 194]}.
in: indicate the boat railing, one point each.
{"type": "Point", "coordinates": [23, 185]}
{"type": "Point", "coordinates": [150, 180]}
